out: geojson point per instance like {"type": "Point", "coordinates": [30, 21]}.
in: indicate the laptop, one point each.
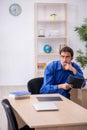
{"type": "Point", "coordinates": [46, 98]}
{"type": "Point", "coordinates": [45, 106]}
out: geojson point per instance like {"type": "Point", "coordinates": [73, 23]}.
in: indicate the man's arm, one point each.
{"type": "Point", "coordinates": [48, 85]}
{"type": "Point", "coordinates": [71, 68]}
{"type": "Point", "coordinates": [65, 86]}
{"type": "Point", "coordinates": [76, 71]}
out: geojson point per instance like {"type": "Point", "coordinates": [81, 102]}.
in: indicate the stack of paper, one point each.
{"type": "Point", "coordinates": [19, 94]}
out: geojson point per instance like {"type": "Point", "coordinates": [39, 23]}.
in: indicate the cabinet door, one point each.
{"type": "Point", "coordinates": [50, 33]}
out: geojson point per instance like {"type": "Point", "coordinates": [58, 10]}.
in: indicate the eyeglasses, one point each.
{"type": "Point", "coordinates": [65, 57]}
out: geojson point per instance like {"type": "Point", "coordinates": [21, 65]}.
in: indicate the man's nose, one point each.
{"type": "Point", "coordinates": [64, 58]}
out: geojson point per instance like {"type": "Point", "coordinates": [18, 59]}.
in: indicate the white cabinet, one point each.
{"type": "Point", "coordinates": [50, 33]}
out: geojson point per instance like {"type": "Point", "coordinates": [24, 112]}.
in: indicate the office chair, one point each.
{"type": "Point", "coordinates": [34, 85]}
{"type": "Point", "coordinates": [12, 122]}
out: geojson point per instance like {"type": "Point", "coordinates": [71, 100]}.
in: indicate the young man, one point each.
{"type": "Point", "coordinates": [57, 73]}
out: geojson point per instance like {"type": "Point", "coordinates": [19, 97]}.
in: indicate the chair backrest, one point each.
{"type": "Point", "coordinates": [34, 85]}
{"type": "Point", "coordinates": [12, 123]}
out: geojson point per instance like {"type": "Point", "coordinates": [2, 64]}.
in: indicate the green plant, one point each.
{"type": "Point", "coordinates": [82, 32]}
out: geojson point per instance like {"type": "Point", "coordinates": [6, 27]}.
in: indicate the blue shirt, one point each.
{"type": "Point", "coordinates": [54, 74]}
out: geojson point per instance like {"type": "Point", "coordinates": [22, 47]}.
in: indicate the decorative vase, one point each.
{"type": "Point", "coordinates": [53, 17]}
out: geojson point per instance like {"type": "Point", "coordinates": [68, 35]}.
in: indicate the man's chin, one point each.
{"type": "Point", "coordinates": [64, 64]}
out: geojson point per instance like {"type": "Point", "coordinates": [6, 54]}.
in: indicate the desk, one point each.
{"type": "Point", "coordinates": [84, 97]}
{"type": "Point", "coordinates": [69, 117]}
{"type": "Point", "coordinates": [80, 96]}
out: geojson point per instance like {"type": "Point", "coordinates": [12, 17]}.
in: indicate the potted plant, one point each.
{"type": "Point", "coordinates": [82, 56]}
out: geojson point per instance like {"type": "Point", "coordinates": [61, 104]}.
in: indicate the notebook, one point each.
{"type": "Point", "coordinates": [57, 98]}
{"type": "Point", "coordinates": [19, 94]}
{"type": "Point", "coordinates": [45, 106]}
{"type": "Point", "coordinates": [76, 82]}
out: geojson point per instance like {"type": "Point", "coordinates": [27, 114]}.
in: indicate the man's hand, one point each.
{"type": "Point", "coordinates": [70, 67]}
{"type": "Point", "coordinates": [65, 86]}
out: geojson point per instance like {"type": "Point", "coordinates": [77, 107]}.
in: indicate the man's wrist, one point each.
{"type": "Point", "coordinates": [59, 86]}
{"type": "Point", "coordinates": [74, 71]}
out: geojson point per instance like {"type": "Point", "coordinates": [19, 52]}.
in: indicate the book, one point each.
{"type": "Point", "coordinates": [76, 82]}
{"type": "Point", "coordinates": [45, 106]}
{"type": "Point", "coordinates": [19, 94]}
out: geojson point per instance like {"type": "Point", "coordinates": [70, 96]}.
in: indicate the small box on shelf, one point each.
{"type": "Point", "coordinates": [41, 66]}
{"type": "Point", "coordinates": [61, 46]}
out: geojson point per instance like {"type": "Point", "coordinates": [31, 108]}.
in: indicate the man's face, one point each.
{"type": "Point", "coordinates": [65, 58]}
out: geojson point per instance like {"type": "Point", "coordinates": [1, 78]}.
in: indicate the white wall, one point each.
{"type": "Point", "coordinates": [17, 57]}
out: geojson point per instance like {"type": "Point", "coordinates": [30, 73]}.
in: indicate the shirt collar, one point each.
{"type": "Point", "coordinates": [59, 66]}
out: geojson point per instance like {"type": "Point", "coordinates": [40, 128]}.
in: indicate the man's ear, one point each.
{"type": "Point", "coordinates": [72, 58]}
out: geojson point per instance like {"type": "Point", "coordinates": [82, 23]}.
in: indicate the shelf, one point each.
{"type": "Point", "coordinates": [48, 54]}
{"type": "Point", "coordinates": [51, 4]}
{"type": "Point", "coordinates": [58, 37]}
{"type": "Point", "coordinates": [50, 30]}
{"type": "Point", "coordinates": [49, 21]}
{"type": "Point", "coordinates": [40, 71]}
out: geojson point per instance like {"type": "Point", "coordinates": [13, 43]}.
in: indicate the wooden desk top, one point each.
{"type": "Point", "coordinates": [69, 113]}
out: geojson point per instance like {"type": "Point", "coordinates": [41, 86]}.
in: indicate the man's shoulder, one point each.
{"type": "Point", "coordinates": [75, 64]}
{"type": "Point", "coordinates": [53, 66]}
{"type": "Point", "coordinates": [53, 63]}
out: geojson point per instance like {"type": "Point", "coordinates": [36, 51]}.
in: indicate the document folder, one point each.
{"type": "Point", "coordinates": [45, 106]}
{"type": "Point", "coordinates": [76, 82]}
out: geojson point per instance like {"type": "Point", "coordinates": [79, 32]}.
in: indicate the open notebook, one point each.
{"type": "Point", "coordinates": [45, 106]}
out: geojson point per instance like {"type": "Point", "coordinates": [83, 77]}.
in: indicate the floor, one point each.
{"type": "Point", "coordinates": [4, 91]}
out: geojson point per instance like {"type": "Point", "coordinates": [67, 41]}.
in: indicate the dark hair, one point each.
{"type": "Point", "coordinates": [67, 49]}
